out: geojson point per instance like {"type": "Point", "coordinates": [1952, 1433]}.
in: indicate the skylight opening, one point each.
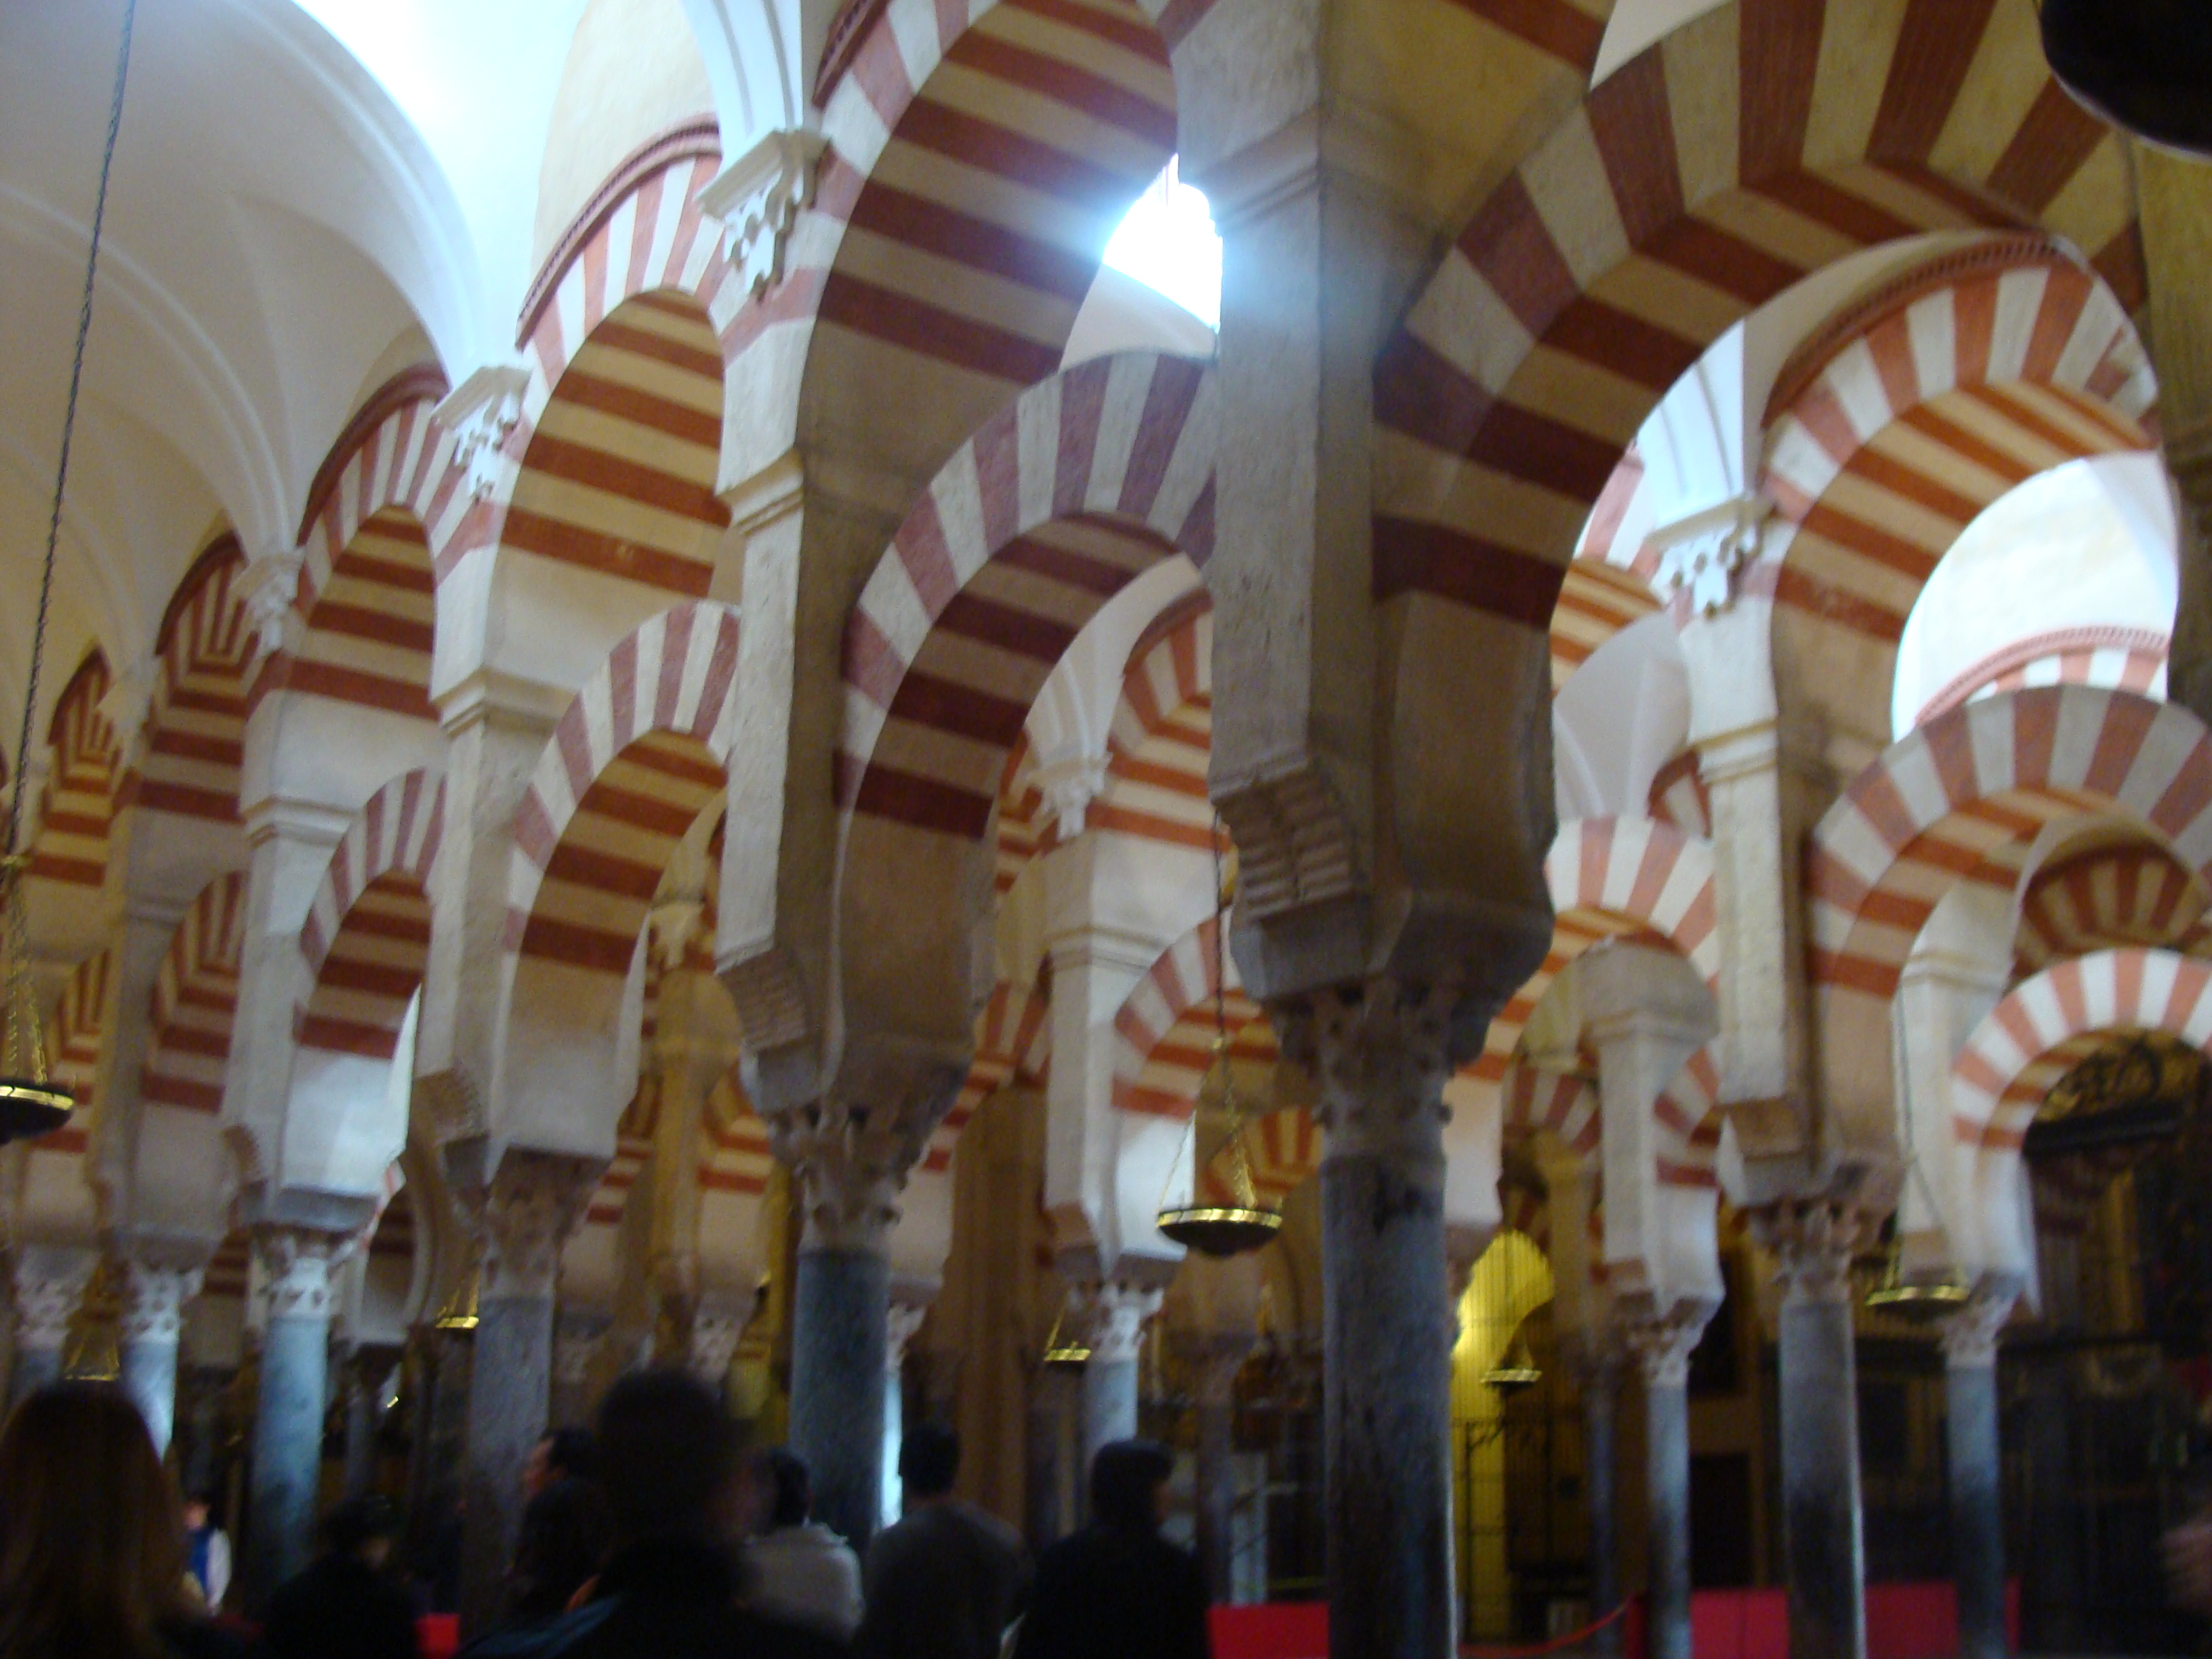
{"type": "Point", "coordinates": [1167, 242]}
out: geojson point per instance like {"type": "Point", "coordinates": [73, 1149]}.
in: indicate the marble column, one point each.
{"type": "Point", "coordinates": [153, 1323]}
{"type": "Point", "coordinates": [296, 1266]}
{"type": "Point", "coordinates": [902, 1322]}
{"type": "Point", "coordinates": [1046, 1455]}
{"type": "Point", "coordinates": [576, 1339]}
{"type": "Point", "coordinates": [1600, 1376]}
{"type": "Point", "coordinates": [1118, 1315]}
{"type": "Point", "coordinates": [1823, 1545]}
{"type": "Point", "coordinates": [49, 1285]}
{"type": "Point", "coordinates": [368, 1372]}
{"type": "Point", "coordinates": [1663, 1349]}
{"type": "Point", "coordinates": [1977, 1563]}
{"type": "Point", "coordinates": [533, 1200]}
{"type": "Point", "coordinates": [1380, 1055]}
{"type": "Point", "coordinates": [1220, 1359]}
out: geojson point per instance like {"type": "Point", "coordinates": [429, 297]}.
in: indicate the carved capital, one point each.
{"type": "Point", "coordinates": [124, 705]}
{"type": "Point", "coordinates": [1970, 1336]}
{"type": "Point", "coordinates": [1381, 1053]}
{"type": "Point", "coordinates": [758, 198]}
{"type": "Point", "coordinates": [1699, 555]}
{"type": "Point", "coordinates": [1663, 1343]}
{"type": "Point", "coordinates": [1069, 784]}
{"type": "Point", "coordinates": [576, 1339]}
{"type": "Point", "coordinates": [1117, 1313]}
{"type": "Point", "coordinates": [154, 1297]}
{"type": "Point", "coordinates": [852, 1152]}
{"type": "Point", "coordinates": [297, 1265]}
{"type": "Point", "coordinates": [47, 1292]}
{"type": "Point", "coordinates": [1814, 1241]}
{"type": "Point", "coordinates": [270, 585]}
{"type": "Point", "coordinates": [533, 1203]}
{"type": "Point", "coordinates": [716, 1328]}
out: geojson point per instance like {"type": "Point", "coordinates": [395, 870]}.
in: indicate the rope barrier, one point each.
{"type": "Point", "coordinates": [1573, 1639]}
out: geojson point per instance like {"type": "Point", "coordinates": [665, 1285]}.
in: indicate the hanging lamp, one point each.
{"type": "Point", "coordinates": [1065, 1353]}
{"type": "Point", "coordinates": [1917, 1300]}
{"type": "Point", "coordinates": [1516, 1369]}
{"type": "Point", "coordinates": [32, 1101]}
{"type": "Point", "coordinates": [1239, 1223]}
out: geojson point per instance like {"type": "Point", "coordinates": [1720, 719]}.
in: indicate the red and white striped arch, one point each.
{"type": "Point", "coordinates": [1963, 798]}
{"type": "Point", "coordinates": [1013, 1048]}
{"type": "Point", "coordinates": [1614, 878]}
{"type": "Point", "coordinates": [2120, 659]}
{"type": "Point", "coordinates": [1700, 181]}
{"type": "Point", "coordinates": [1282, 1151]}
{"type": "Point", "coordinates": [640, 753]}
{"type": "Point", "coordinates": [1536, 1100]}
{"type": "Point", "coordinates": [1967, 379]}
{"type": "Point", "coordinates": [196, 1002]}
{"type": "Point", "coordinates": [979, 155]}
{"type": "Point", "coordinates": [634, 1135]}
{"type": "Point", "coordinates": [2033, 1037]}
{"type": "Point", "coordinates": [736, 1158]}
{"type": "Point", "coordinates": [71, 844]}
{"type": "Point", "coordinates": [195, 719]}
{"type": "Point", "coordinates": [1678, 797]}
{"type": "Point", "coordinates": [1164, 1033]}
{"type": "Point", "coordinates": [2109, 897]}
{"type": "Point", "coordinates": [1060, 500]}
{"type": "Point", "coordinates": [1161, 740]}
{"type": "Point", "coordinates": [368, 933]}
{"type": "Point", "coordinates": [1596, 601]}
{"type": "Point", "coordinates": [1688, 1110]}
{"type": "Point", "coordinates": [83, 1018]}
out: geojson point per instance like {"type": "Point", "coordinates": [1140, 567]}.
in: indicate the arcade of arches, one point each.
{"type": "Point", "coordinates": [661, 673]}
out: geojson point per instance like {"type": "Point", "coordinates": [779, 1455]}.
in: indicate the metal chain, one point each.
{"type": "Point", "coordinates": [68, 427]}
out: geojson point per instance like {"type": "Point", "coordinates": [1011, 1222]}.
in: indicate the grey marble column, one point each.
{"type": "Point", "coordinates": [1824, 1546]}
{"type": "Point", "coordinates": [1118, 1315]}
{"type": "Point", "coordinates": [368, 1372]}
{"type": "Point", "coordinates": [1977, 1563]}
{"type": "Point", "coordinates": [1219, 1361]}
{"type": "Point", "coordinates": [1047, 1452]}
{"type": "Point", "coordinates": [49, 1285]}
{"type": "Point", "coordinates": [1663, 1350]}
{"type": "Point", "coordinates": [1381, 1057]}
{"type": "Point", "coordinates": [297, 1265]}
{"type": "Point", "coordinates": [153, 1323]}
{"type": "Point", "coordinates": [1601, 1386]}
{"type": "Point", "coordinates": [532, 1203]}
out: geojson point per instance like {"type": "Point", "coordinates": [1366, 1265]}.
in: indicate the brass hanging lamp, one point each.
{"type": "Point", "coordinates": [33, 1101]}
{"type": "Point", "coordinates": [1238, 1223]}
{"type": "Point", "coordinates": [1065, 1353]}
{"type": "Point", "coordinates": [1918, 1300]}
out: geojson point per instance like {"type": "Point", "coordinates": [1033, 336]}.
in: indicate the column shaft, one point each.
{"type": "Point", "coordinates": [150, 1377]}
{"type": "Point", "coordinates": [1600, 1395]}
{"type": "Point", "coordinates": [288, 1447]}
{"type": "Point", "coordinates": [1666, 1486]}
{"type": "Point", "coordinates": [510, 1396]}
{"type": "Point", "coordinates": [153, 1323]}
{"type": "Point", "coordinates": [1047, 1452]}
{"type": "Point", "coordinates": [1217, 1494]}
{"type": "Point", "coordinates": [1110, 1404]}
{"type": "Point", "coordinates": [1824, 1550]}
{"type": "Point", "coordinates": [1976, 1510]}
{"type": "Point", "coordinates": [840, 1308]}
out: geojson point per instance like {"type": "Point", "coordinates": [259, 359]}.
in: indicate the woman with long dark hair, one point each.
{"type": "Point", "coordinates": [92, 1537]}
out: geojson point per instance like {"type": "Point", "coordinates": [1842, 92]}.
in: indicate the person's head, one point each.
{"type": "Point", "coordinates": [929, 1459]}
{"type": "Point", "coordinates": [1129, 1484]}
{"type": "Point", "coordinates": [199, 1507]}
{"type": "Point", "coordinates": [92, 1544]}
{"type": "Point", "coordinates": [362, 1527]}
{"type": "Point", "coordinates": [783, 1475]}
{"type": "Point", "coordinates": [561, 1542]}
{"type": "Point", "coordinates": [564, 1453]}
{"type": "Point", "coordinates": [670, 1461]}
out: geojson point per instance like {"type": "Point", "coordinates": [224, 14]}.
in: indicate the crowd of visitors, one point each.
{"type": "Point", "coordinates": [658, 1538]}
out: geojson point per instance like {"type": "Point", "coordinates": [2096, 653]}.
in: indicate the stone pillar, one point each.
{"type": "Point", "coordinates": [49, 1285]}
{"type": "Point", "coordinates": [528, 1208]}
{"type": "Point", "coordinates": [154, 1297]}
{"type": "Point", "coordinates": [1220, 1359]}
{"type": "Point", "coordinates": [1824, 1548]}
{"type": "Point", "coordinates": [905, 1319]}
{"type": "Point", "coordinates": [1118, 1317]}
{"type": "Point", "coordinates": [368, 1369]}
{"type": "Point", "coordinates": [297, 1265]}
{"type": "Point", "coordinates": [1047, 1452]}
{"type": "Point", "coordinates": [1600, 1374]}
{"type": "Point", "coordinates": [1662, 1352]}
{"type": "Point", "coordinates": [1977, 1563]}
{"type": "Point", "coordinates": [576, 1339]}
{"type": "Point", "coordinates": [1379, 1052]}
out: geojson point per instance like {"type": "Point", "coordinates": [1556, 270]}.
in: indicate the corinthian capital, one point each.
{"type": "Point", "coordinates": [296, 1264]}
{"type": "Point", "coordinates": [1118, 1315]}
{"type": "Point", "coordinates": [1970, 1336]}
{"type": "Point", "coordinates": [852, 1151]}
{"type": "Point", "coordinates": [1381, 1053]}
{"type": "Point", "coordinates": [1664, 1341]}
{"type": "Point", "coordinates": [154, 1297]}
{"type": "Point", "coordinates": [1814, 1241]}
{"type": "Point", "coordinates": [49, 1285]}
{"type": "Point", "coordinates": [531, 1207]}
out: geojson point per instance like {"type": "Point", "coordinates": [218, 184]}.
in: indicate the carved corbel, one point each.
{"type": "Point", "coordinates": [758, 198]}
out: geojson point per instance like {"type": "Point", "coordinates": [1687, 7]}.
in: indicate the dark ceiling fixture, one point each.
{"type": "Point", "coordinates": [2143, 64]}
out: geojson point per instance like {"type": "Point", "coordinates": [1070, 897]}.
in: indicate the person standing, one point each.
{"type": "Point", "coordinates": [209, 1548]}
{"type": "Point", "coordinates": [802, 1572]}
{"type": "Point", "coordinates": [344, 1606]}
{"type": "Point", "coordinates": [1117, 1589]}
{"type": "Point", "coordinates": [945, 1582]}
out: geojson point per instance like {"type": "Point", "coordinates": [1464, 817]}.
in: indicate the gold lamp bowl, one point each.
{"type": "Point", "coordinates": [29, 1107]}
{"type": "Point", "coordinates": [1221, 1230]}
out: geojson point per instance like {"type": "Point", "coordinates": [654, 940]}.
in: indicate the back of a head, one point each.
{"type": "Point", "coordinates": [1124, 1477]}
{"type": "Point", "coordinates": [92, 1547]}
{"type": "Point", "coordinates": [359, 1522]}
{"type": "Point", "coordinates": [790, 1483]}
{"type": "Point", "coordinates": [929, 1459]}
{"type": "Point", "coordinates": [562, 1542]}
{"type": "Point", "coordinates": [572, 1452]}
{"type": "Point", "coordinates": [666, 1451]}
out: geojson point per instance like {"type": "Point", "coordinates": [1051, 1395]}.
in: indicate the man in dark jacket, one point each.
{"type": "Point", "coordinates": [670, 1466]}
{"type": "Point", "coordinates": [946, 1581]}
{"type": "Point", "coordinates": [1117, 1589]}
{"type": "Point", "coordinates": [345, 1606]}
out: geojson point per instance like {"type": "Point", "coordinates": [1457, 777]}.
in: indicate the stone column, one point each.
{"type": "Point", "coordinates": [905, 1319]}
{"type": "Point", "coordinates": [1219, 1361]}
{"type": "Point", "coordinates": [1977, 1563]}
{"type": "Point", "coordinates": [1118, 1315]}
{"type": "Point", "coordinates": [49, 1285]}
{"type": "Point", "coordinates": [528, 1208]}
{"type": "Point", "coordinates": [1047, 1449]}
{"type": "Point", "coordinates": [1663, 1349]}
{"type": "Point", "coordinates": [296, 1266]}
{"type": "Point", "coordinates": [154, 1297]}
{"type": "Point", "coordinates": [576, 1339]}
{"type": "Point", "coordinates": [1824, 1548]}
{"type": "Point", "coordinates": [1600, 1374]}
{"type": "Point", "coordinates": [368, 1369]}
{"type": "Point", "coordinates": [1380, 1054]}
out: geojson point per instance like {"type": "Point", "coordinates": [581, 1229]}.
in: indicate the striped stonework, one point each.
{"type": "Point", "coordinates": [639, 754]}
{"type": "Point", "coordinates": [80, 1026]}
{"type": "Point", "coordinates": [1059, 501]}
{"type": "Point", "coordinates": [230, 1269]}
{"type": "Point", "coordinates": [1023, 821]}
{"type": "Point", "coordinates": [1966, 796]}
{"type": "Point", "coordinates": [1013, 1050]}
{"type": "Point", "coordinates": [1161, 740]}
{"type": "Point", "coordinates": [368, 933]}
{"type": "Point", "coordinates": [1596, 601]}
{"type": "Point", "coordinates": [1163, 1034]}
{"type": "Point", "coordinates": [634, 1135]}
{"type": "Point", "coordinates": [1756, 145]}
{"type": "Point", "coordinates": [2047, 1024]}
{"type": "Point", "coordinates": [196, 1001]}
{"type": "Point", "coordinates": [2122, 658]}
{"type": "Point", "coordinates": [979, 155]}
{"type": "Point", "coordinates": [71, 846]}
{"type": "Point", "coordinates": [1282, 1151]}
{"type": "Point", "coordinates": [1898, 436]}
{"type": "Point", "coordinates": [393, 1236]}
{"type": "Point", "coordinates": [1690, 1124]}
{"type": "Point", "coordinates": [195, 720]}
{"type": "Point", "coordinates": [2107, 898]}
{"type": "Point", "coordinates": [1536, 1100]}
{"type": "Point", "coordinates": [735, 1157]}
{"type": "Point", "coordinates": [1679, 796]}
